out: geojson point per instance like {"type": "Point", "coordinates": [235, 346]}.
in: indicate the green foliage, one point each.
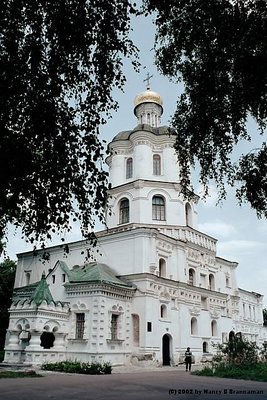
{"type": "Point", "coordinates": [59, 62]}
{"type": "Point", "coordinates": [238, 359]}
{"type": "Point", "coordinates": [7, 277]}
{"type": "Point", "coordinates": [236, 352]}
{"type": "Point", "coordinates": [218, 48]}
{"type": "Point", "coordinates": [19, 374]}
{"type": "Point", "coordinates": [78, 367]}
{"type": "Point", "coordinates": [257, 372]}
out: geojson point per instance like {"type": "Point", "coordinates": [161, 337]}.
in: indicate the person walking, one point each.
{"type": "Point", "coordinates": [188, 359]}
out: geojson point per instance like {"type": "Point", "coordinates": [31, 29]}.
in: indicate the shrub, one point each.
{"type": "Point", "coordinates": [77, 367]}
{"type": "Point", "coordinates": [239, 359]}
{"type": "Point", "coordinates": [237, 351]}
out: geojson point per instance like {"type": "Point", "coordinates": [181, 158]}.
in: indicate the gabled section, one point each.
{"type": "Point", "coordinates": [42, 293]}
{"type": "Point", "coordinates": [96, 272]}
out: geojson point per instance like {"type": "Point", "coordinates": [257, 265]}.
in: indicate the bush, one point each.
{"type": "Point", "coordinates": [2, 355]}
{"type": "Point", "coordinates": [238, 359]}
{"type": "Point", "coordinates": [237, 351]}
{"type": "Point", "coordinates": [78, 367]}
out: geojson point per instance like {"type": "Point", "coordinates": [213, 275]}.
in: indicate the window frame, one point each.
{"type": "Point", "coordinates": [156, 164]}
{"type": "Point", "coordinates": [124, 211]}
{"type": "Point", "coordinates": [80, 325]}
{"type": "Point", "coordinates": [158, 208]}
{"type": "Point", "coordinates": [129, 168]}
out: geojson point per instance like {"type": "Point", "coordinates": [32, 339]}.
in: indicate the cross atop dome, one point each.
{"type": "Point", "coordinates": [148, 77]}
{"type": "Point", "coordinates": [148, 105]}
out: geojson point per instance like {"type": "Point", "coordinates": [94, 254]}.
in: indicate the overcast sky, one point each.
{"type": "Point", "coordinates": [241, 236]}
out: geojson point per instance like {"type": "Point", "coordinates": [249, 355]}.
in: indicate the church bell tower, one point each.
{"type": "Point", "coordinates": [144, 172]}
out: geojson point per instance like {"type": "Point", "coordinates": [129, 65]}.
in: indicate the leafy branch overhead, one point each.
{"type": "Point", "coordinates": [59, 61]}
{"type": "Point", "coordinates": [218, 48]}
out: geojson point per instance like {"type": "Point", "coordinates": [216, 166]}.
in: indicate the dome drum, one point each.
{"type": "Point", "coordinates": [148, 108]}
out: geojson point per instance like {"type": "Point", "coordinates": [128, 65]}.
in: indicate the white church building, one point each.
{"type": "Point", "coordinates": [157, 285]}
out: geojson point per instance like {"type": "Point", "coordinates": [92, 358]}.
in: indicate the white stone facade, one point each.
{"type": "Point", "coordinates": [157, 286]}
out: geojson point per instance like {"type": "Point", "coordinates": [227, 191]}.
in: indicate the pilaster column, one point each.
{"type": "Point", "coordinates": [13, 341]}
{"type": "Point", "coordinates": [59, 343]}
{"type": "Point", "coordinates": [35, 341]}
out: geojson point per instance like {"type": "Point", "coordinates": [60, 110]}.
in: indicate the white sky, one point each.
{"type": "Point", "coordinates": [241, 236]}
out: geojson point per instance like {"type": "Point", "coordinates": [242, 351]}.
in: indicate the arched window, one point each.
{"type": "Point", "coordinates": [214, 330]}
{"type": "Point", "coordinates": [124, 211]}
{"type": "Point", "coordinates": [231, 336]}
{"type": "Point", "coordinates": [162, 268]}
{"type": "Point", "coordinates": [193, 326]}
{"type": "Point", "coordinates": [156, 164]}
{"type": "Point", "coordinates": [129, 168]}
{"type": "Point", "coordinates": [192, 277]}
{"type": "Point", "coordinates": [211, 282]}
{"type": "Point", "coordinates": [27, 278]}
{"type": "Point", "coordinates": [163, 311]}
{"type": "Point", "coordinates": [205, 347]}
{"type": "Point", "coordinates": [158, 208]}
{"type": "Point", "coordinates": [188, 215]}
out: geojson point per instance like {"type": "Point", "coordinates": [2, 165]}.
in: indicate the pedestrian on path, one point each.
{"type": "Point", "coordinates": [188, 359]}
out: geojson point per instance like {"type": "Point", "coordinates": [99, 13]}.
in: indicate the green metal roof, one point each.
{"type": "Point", "coordinates": [96, 272]}
{"type": "Point", "coordinates": [42, 293]}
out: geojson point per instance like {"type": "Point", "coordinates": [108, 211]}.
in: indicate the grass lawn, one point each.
{"type": "Point", "coordinates": [256, 372]}
{"type": "Point", "coordinates": [18, 374]}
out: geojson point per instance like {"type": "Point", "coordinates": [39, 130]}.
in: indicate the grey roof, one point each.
{"type": "Point", "coordinates": [162, 130]}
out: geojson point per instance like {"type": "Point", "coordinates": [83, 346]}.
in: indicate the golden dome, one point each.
{"type": "Point", "coordinates": [148, 96]}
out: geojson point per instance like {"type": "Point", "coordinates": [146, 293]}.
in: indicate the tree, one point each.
{"type": "Point", "coordinates": [59, 61]}
{"type": "Point", "coordinates": [7, 277]}
{"type": "Point", "coordinates": [218, 48]}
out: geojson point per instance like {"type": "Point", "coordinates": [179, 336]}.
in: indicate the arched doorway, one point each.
{"type": "Point", "coordinates": [166, 356]}
{"type": "Point", "coordinates": [47, 340]}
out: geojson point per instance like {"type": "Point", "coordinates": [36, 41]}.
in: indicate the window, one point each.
{"type": "Point", "coordinates": [156, 164]}
{"type": "Point", "coordinates": [188, 214]}
{"type": "Point", "coordinates": [231, 336]}
{"type": "Point", "coordinates": [227, 282]}
{"type": "Point", "coordinates": [162, 268]}
{"type": "Point", "coordinates": [80, 317]}
{"type": "Point", "coordinates": [27, 278]}
{"type": "Point", "coordinates": [63, 278]}
{"type": "Point", "coordinates": [193, 326]}
{"type": "Point", "coordinates": [214, 331]}
{"type": "Point", "coordinates": [205, 347]}
{"type": "Point", "coordinates": [204, 303]}
{"type": "Point", "coordinates": [53, 278]}
{"type": "Point", "coordinates": [149, 326]}
{"type": "Point", "coordinates": [192, 274]}
{"type": "Point", "coordinates": [158, 208]}
{"type": "Point", "coordinates": [211, 282]}
{"type": "Point", "coordinates": [163, 311]}
{"type": "Point", "coordinates": [136, 329]}
{"type": "Point", "coordinates": [124, 211]}
{"type": "Point", "coordinates": [114, 326]}
{"type": "Point", "coordinates": [129, 168]}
